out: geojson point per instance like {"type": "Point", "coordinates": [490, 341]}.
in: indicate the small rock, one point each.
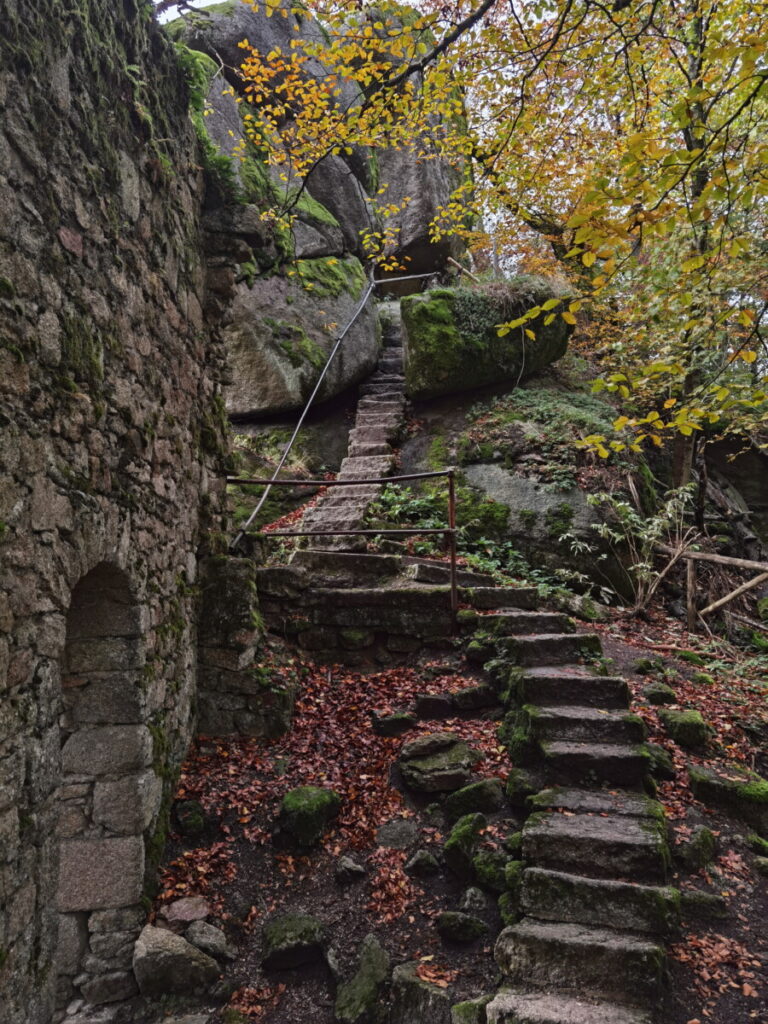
{"type": "Point", "coordinates": [459, 848]}
{"type": "Point", "coordinates": [659, 693]}
{"type": "Point", "coordinates": [430, 743]}
{"type": "Point", "coordinates": [395, 724]}
{"type": "Point", "coordinates": [487, 796]}
{"type": "Point", "coordinates": [182, 912]}
{"type": "Point", "coordinates": [661, 766]}
{"type": "Point", "coordinates": [702, 906]}
{"type": "Point", "coordinates": [166, 963]}
{"type": "Point", "coordinates": [698, 850]}
{"type": "Point", "coordinates": [473, 901]}
{"type": "Point", "coordinates": [646, 666]}
{"type": "Point", "coordinates": [291, 940]}
{"type": "Point", "coordinates": [456, 926]}
{"type": "Point", "coordinates": [398, 834]}
{"type": "Point", "coordinates": [434, 705]}
{"type": "Point", "coordinates": [348, 870]}
{"type": "Point", "coordinates": [438, 762]}
{"type": "Point", "coordinates": [414, 1000]}
{"type": "Point", "coordinates": [488, 867]}
{"type": "Point", "coordinates": [305, 813]}
{"type": "Point", "coordinates": [210, 939]}
{"type": "Point", "coordinates": [359, 1000]}
{"type": "Point", "coordinates": [761, 865]}
{"type": "Point", "coordinates": [422, 864]}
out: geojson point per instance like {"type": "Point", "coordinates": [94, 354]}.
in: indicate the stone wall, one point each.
{"type": "Point", "coordinates": [111, 451]}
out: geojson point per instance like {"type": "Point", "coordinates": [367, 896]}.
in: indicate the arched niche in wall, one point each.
{"type": "Point", "coordinates": [108, 794]}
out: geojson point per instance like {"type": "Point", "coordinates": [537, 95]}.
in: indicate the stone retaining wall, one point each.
{"type": "Point", "coordinates": [111, 448]}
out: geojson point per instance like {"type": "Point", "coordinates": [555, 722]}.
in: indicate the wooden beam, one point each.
{"type": "Point", "coordinates": [707, 556]}
{"type": "Point", "coordinates": [762, 578]}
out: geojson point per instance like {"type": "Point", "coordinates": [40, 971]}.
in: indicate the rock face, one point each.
{"type": "Point", "coordinates": [452, 345]}
{"type": "Point", "coordinates": [166, 964]}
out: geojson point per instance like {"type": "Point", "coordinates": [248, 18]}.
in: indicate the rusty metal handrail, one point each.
{"type": "Point", "coordinates": [449, 531]}
{"type": "Point", "coordinates": [361, 306]}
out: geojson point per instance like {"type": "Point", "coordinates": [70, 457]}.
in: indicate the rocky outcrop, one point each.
{"type": "Point", "coordinates": [452, 343]}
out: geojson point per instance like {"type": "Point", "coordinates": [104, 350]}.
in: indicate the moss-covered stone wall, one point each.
{"type": "Point", "coordinates": [111, 471]}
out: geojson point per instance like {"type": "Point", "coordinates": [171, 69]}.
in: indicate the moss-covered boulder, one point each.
{"type": "Point", "coordinates": [741, 792]}
{"type": "Point", "coordinates": [437, 762]}
{"type": "Point", "coordinates": [659, 693]}
{"type": "Point", "coordinates": [416, 1000]}
{"type": "Point", "coordinates": [687, 728]}
{"type": "Point", "coordinates": [471, 1011]}
{"type": "Point", "coordinates": [485, 796]}
{"type": "Point", "coordinates": [358, 1000]}
{"type": "Point", "coordinates": [452, 343]}
{"type": "Point", "coordinates": [455, 926]}
{"type": "Point", "coordinates": [291, 940]}
{"type": "Point", "coordinates": [305, 813]}
{"type": "Point", "coordinates": [459, 848]}
{"type": "Point", "coordinates": [660, 763]}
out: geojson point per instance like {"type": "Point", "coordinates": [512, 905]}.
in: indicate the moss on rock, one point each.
{"type": "Point", "coordinates": [306, 811]}
{"type": "Point", "coordinates": [459, 848]}
{"type": "Point", "coordinates": [487, 795]}
{"type": "Point", "coordinates": [687, 728]}
{"type": "Point", "coordinates": [358, 1000]}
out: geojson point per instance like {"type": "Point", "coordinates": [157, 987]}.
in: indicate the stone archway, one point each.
{"type": "Point", "coordinates": [108, 794]}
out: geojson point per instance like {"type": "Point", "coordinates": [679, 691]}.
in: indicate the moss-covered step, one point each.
{"type": "Point", "coordinates": [549, 686]}
{"type": "Point", "coordinates": [613, 847]}
{"type": "Point", "coordinates": [559, 896]}
{"type": "Point", "coordinates": [583, 724]}
{"type": "Point", "coordinates": [424, 570]}
{"type": "Point", "coordinates": [510, 1007]}
{"type": "Point", "coordinates": [549, 648]}
{"type": "Point", "coordinates": [617, 764]}
{"type": "Point", "coordinates": [575, 958]}
{"type": "Point", "coordinates": [738, 791]}
{"type": "Point", "coordinates": [509, 622]}
{"type": "Point", "coordinates": [601, 801]}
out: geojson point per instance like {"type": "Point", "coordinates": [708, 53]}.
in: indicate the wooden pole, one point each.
{"type": "Point", "coordinates": [470, 275]}
{"type": "Point", "coordinates": [762, 578]}
{"type": "Point", "coordinates": [690, 595]}
{"type": "Point", "coordinates": [706, 556]}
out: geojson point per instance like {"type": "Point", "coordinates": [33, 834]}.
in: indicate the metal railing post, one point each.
{"type": "Point", "coordinates": [452, 528]}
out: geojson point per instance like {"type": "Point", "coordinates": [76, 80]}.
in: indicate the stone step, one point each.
{"type": "Point", "coordinates": [549, 648]}
{"type": "Point", "coordinates": [585, 724]}
{"type": "Point", "coordinates": [384, 390]}
{"type": "Point", "coordinates": [388, 365]}
{"type": "Point", "coordinates": [365, 449]}
{"type": "Point", "coordinates": [484, 597]}
{"type": "Point", "coordinates": [386, 403]}
{"type": "Point", "coordinates": [598, 801]}
{"type": "Point", "coordinates": [613, 847]}
{"type": "Point", "coordinates": [517, 622]}
{"type": "Point", "coordinates": [363, 467]}
{"type": "Point", "coordinates": [424, 570]}
{"type": "Point", "coordinates": [391, 422]}
{"type": "Point", "coordinates": [559, 896]}
{"type": "Point", "coordinates": [350, 568]}
{"type": "Point", "coordinates": [510, 1007]}
{"type": "Point", "coordinates": [614, 764]}
{"type": "Point", "coordinates": [575, 958]}
{"type": "Point", "coordinates": [379, 377]}
{"type": "Point", "coordinates": [569, 686]}
{"type": "Point", "coordinates": [362, 435]}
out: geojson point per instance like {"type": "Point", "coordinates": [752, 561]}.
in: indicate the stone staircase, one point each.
{"type": "Point", "coordinates": [378, 422]}
{"type": "Point", "coordinates": [592, 906]}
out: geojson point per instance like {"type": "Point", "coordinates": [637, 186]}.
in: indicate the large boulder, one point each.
{"type": "Point", "coordinates": [452, 343]}
{"type": "Point", "coordinates": [281, 330]}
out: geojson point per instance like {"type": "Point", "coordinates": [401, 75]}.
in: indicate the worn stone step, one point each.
{"type": "Point", "coordinates": [282, 581]}
{"type": "Point", "coordinates": [388, 421]}
{"type": "Point", "coordinates": [615, 764]}
{"type": "Point", "coordinates": [612, 847]}
{"type": "Point", "coordinates": [516, 622]}
{"type": "Point", "coordinates": [548, 687]}
{"type": "Point", "coordinates": [348, 568]}
{"type": "Point", "coordinates": [384, 390]}
{"type": "Point", "coordinates": [365, 449]}
{"type": "Point", "coordinates": [585, 724]}
{"type": "Point", "coordinates": [549, 648]}
{"type": "Point", "coordinates": [363, 467]}
{"type": "Point", "coordinates": [575, 958]}
{"type": "Point", "coordinates": [387, 403]}
{"type": "Point", "coordinates": [510, 1007]}
{"type": "Point", "coordinates": [560, 896]}
{"type": "Point", "coordinates": [361, 435]}
{"type": "Point", "coordinates": [380, 377]}
{"type": "Point", "coordinates": [486, 598]}
{"type": "Point", "coordinates": [598, 801]}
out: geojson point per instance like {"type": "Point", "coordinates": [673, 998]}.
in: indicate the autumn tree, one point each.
{"type": "Point", "coordinates": [631, 137]}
